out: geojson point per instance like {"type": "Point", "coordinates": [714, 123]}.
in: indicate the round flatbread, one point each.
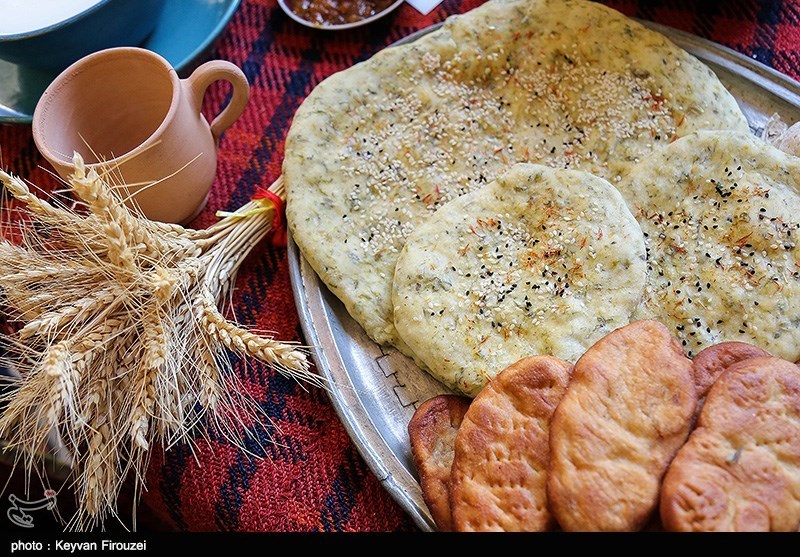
{"type": "Point", "coordinates": [541, 261]}
{"type": "Point", "coordinates": [720, 212]}
{"type": "Point", "coordinates": [376, 149]}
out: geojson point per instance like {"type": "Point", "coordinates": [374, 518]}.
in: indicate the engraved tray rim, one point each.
{"type": "Point", "coordinates": [308, 290]}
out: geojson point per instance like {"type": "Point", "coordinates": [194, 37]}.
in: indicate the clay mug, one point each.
{"type": "Point", "coordinates": [126, 111]}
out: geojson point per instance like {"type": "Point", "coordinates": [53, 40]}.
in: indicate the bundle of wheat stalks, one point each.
{"type": "Point", "coordinates": [120, 343]}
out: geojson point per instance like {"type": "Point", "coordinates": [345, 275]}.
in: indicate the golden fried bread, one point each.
{"type": "Point", "coordinates": [498, 478]}
{"type": "Point", "coordinates": [626, 412]}
{"type": "Point", "coordinates": [432, 432]}
{"type": "Point", "coordinates": [740, 469]}
{"type": "Point", "coordinates": [712, 361]}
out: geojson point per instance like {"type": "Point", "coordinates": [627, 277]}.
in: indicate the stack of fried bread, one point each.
{"type": "Point", "coordinates": [635, 434]}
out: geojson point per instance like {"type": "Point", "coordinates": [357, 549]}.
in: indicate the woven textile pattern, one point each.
{"type": "Point", "coordinates": [312, 477]}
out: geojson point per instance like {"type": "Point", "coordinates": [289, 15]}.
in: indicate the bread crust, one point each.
{"type": "Point", "coordinates": [626, 412]}
{"type": "Point", "coordinates": [498, 477]}
{"type": "Point", "coordinates": [740, 469]}
{"type": "Point", "coordinates": [432, 433]}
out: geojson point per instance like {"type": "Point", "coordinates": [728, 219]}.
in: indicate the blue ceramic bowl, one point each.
{"type": "Point", "coordinates": [107, 24]}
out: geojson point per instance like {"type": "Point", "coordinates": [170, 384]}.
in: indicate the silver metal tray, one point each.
{"type": "Point", "coordinates": [375, 389]}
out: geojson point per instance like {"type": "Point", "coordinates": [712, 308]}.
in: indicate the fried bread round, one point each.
{"type": "Point", "coordinates": [710, 362]}
{"type": "Point", "coordinates": [721, 216]}
{"type": "Point", "coordinates": [522, 266]}
{"type": "Point", "coordinates": [740, 469]}
{"type": "Point", "coordinates": [626, 412]}
{"type": "Point", "coordinates": [376, 149]}
{"type": "Point", "coordinates": [498, 477]}
{"type": "Point", "coordinates": [432, 433]}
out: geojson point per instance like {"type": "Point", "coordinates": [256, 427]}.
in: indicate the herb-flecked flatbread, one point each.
{"type": "Point", "coordinates": [720, 212]}
{"type": "Point", "coordinates": [541, 261]}
{"type": "Point", "coordinates": [376, 149]}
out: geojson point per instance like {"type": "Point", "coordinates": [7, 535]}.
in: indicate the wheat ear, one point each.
{"type": "Point", "coordinates": [121, 343]}
{"type": "Point", "coordinates": [285, 357]}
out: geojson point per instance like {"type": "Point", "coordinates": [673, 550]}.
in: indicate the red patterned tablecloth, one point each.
{"type": "Point", "coordinates": [313, 478]}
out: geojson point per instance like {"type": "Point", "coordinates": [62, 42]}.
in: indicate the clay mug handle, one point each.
{"type": "Point", "coordinates": [216, 70]}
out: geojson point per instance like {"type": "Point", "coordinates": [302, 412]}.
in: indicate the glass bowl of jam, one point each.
{"type": "Point", "coordinates": [337, 14]}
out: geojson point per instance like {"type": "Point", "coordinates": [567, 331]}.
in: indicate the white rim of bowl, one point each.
{"type": "Point", "coordinates": [53, 26]}
{"type": "Point", "coordinates": [341, 26]}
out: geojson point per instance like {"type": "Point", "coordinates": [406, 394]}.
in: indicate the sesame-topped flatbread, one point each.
{"type": "Point", "coordinates": [720, 212]}
{"type": "Point", "coordinates": [376, 149]}
{"type": "Point", "coordinates": [540, 261]}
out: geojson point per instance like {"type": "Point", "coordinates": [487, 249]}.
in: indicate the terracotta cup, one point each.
{"type": "Point", "coordinates": [126, 111]}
